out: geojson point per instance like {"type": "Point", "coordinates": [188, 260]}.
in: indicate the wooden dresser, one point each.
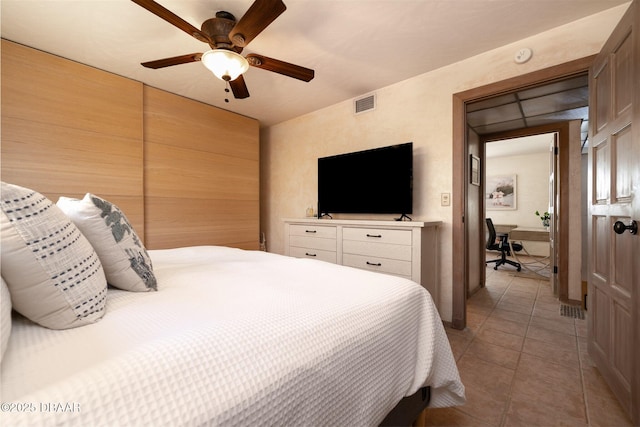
{"type": "Point", "coordinates": [402, 248]}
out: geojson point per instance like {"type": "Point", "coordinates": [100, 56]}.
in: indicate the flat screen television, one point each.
{"type": "Point", "coordinates": [376, 181]}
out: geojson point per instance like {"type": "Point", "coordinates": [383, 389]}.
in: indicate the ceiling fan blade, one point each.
{"type": "Point", "coordinates": [239, 88]}
{"type": "Point", "coordinates": [172, 18]}
{"type": "Point", "coordinates": [176, 60]}
{"type": "Point", "coordinates": [257, 18]}
{"type": "Point", "coordinates": [281, 67]}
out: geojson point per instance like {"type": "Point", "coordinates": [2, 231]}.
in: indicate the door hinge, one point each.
{"type": "Point", "coordinates": [556, 150]}
{"type": "Point", "coordinates": [555, 269]}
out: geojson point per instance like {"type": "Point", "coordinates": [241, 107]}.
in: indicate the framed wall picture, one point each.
{"type": "Point", "coordinates": [475, 170]}
{"type": "Point", "coordinates": [501, 192]}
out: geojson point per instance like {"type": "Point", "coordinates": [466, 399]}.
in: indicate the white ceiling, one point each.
{"type": "Point", "coordinates": [535, 144]}
{"type": "Point", "coordinates": [354, 46]}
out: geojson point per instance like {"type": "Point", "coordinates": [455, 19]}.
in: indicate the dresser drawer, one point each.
{"type": "Point", "coordinates": [380, 250]}
{"type": "Point", "coordinates": [312, 231]}
{"type": "Point", "coordinates": [312, 243]}
{"type": "Point", "coordinates": [403, 249]}
{"type": "Point", "coordinates": [398, 237]}
{"type": "Point", "coordinates": [381, 265]}
{"type": "Point", "coordinates": [329, 256]}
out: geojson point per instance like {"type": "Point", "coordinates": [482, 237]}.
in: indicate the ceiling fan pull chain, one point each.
{"type": "Point", "coordinates": [226, 89]}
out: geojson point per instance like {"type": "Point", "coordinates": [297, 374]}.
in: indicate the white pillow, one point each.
{"type": "Point", "coordinates": [5, 317]}
{"type": "Point", "coordinates": [54, 276]}
{"type": "Point", "coordinates": [124, 258]}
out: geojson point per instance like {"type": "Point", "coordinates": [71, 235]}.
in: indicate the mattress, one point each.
{"type": "Point", "coordinates": [235, 338]}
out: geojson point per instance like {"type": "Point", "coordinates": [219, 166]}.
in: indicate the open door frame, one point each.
{"type": "Point", "coordinates": [460, 164]}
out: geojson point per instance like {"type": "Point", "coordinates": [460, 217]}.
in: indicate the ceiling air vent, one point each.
{"type": "Point", "coordinates": [364, 104]}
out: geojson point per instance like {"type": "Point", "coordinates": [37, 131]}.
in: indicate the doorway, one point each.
{"type": "Point", "coordinates": [467, 199]}
{"type": "Point", "coordinates": [519, 191]}
{"type": "Point", "coordinates": [613, 333]}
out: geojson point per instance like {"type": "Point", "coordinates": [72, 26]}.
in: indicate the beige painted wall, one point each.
{"type": "Point", "coordinates": [532, 180]}
{"type": "Point", "coordinates": [417, 110]}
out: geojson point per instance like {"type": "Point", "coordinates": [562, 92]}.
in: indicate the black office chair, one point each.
{"type": "Point", "coordinates": [500, 242]}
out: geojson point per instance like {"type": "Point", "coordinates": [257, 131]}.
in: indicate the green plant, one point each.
{"type": "Point", "coordinates": [544, 216]}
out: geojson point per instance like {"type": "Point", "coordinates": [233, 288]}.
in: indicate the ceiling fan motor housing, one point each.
{"type": "Point", "coordinates": [218, 29]}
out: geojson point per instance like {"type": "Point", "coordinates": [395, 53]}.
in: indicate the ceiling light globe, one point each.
{"type": "Point", "coordinates": [225, 64]}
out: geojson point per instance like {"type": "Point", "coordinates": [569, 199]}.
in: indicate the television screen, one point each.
{"type": "Point", "coordinates": [377, 181]}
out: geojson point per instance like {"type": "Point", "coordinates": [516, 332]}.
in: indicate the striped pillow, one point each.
{"type": "Point", "coordinates": [5, 317]}
{"type": "Point", "coordinates": [53, 273]}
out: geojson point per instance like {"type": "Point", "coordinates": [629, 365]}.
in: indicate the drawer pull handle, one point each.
{"type": "Point", "coordinates": [310, 231]}
{"type": "Point", "coordinates": [375, 264]}
{"type": "Point", "coordinates": [308, 254]}
{"type": "Point", "coordinates": [378, 236]}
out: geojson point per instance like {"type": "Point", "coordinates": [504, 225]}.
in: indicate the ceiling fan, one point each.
{"type": "Point", "coordinates": [227, 38]}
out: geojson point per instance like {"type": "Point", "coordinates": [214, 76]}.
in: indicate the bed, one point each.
{"type": "Point", "coordinates": [232, 337]}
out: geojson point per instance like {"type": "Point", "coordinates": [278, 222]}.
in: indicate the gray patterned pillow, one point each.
{"type": "Point", "coordinates": [125, 260]}
{"type": "Point", "coordinates": [54, 276]}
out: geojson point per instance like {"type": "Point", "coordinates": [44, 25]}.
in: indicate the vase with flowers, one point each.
{"type": "Point", "coordinates": [545, 218]}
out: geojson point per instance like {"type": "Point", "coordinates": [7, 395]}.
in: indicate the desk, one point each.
{"type": "Point", "coordinates": [504, 228]}
{"type": "Point", "coordinates": [531, 234]}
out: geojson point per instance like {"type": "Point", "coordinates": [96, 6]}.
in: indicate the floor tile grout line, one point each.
{"type": "Point", "coordinates": [475, 336]}
{"type": "Point", "coordinates": [587, 412]}
{"type": "Point", "coordinates": [507, 406]}
{"type": "Point", "coordinates": [505, 411]}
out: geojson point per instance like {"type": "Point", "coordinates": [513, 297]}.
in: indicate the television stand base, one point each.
{"type": "Point", "coordinates": [404, 217]}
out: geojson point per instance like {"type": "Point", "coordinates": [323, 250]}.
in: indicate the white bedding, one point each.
{"type": "Point", "coordinates": [235, 338]}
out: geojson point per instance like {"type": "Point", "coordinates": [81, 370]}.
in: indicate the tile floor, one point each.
{"type": "Point", "coordinates": [523, 364]}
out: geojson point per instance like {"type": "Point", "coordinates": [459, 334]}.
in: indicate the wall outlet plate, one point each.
{"type": "Point", "coordinates": [445, 199]}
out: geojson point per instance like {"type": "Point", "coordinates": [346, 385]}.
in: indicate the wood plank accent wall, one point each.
{"type": "Point", "coordinates": [202, 174]}
{"type": "Point", "coordinates": [185, 173]}
{"type": "Point", "coordinates": [69, 129]}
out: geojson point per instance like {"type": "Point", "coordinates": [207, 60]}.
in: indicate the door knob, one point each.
{"type": "Point", "coordinates": [619, 227]}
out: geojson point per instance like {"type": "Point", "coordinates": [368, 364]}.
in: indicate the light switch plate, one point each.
{"type": "Point", "coordinates": [445, 199]}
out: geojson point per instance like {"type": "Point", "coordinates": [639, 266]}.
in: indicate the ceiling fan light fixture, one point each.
{"type": "Point", "coordinates": [226, 64]}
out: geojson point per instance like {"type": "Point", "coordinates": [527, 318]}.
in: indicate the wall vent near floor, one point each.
{"type": "Point", "coordinates": [365, 103]}
{"type": "Point", "coordinates": [573, 311]}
